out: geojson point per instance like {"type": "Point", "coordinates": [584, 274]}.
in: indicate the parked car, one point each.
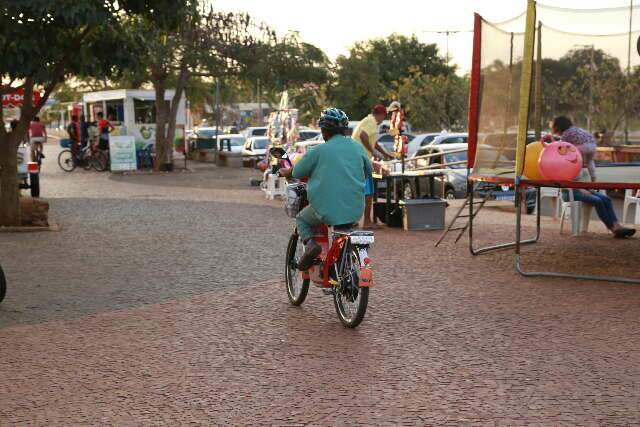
{"type": "Point", "coordinates": [28, 172]}
{"type": "Point", "coordinates": [352, 125]}
{"type": "Point", "coordinates": [256, 146]}
{"type": "Point", "coordinates": [506, 143]}
{"type": "Point", "coordinates": [452, 158]}
{"type": "Point", "coordinates": [386, 125]}
{"type": "Point", "coordinates": [250, 132]}
{"type": "Point", "coordinates": [233, 143]}
{"type": "Point", "coordinates": [307, 134]}
{"type": "Point", "coordinates": [505, 192]}
{"type": "Point", "coordinates": [386, 141]}
{"type": "Point", "coordinates": [316, 138]}
{"type": "Point", "coordinates": [450, 138]}
{"type": "Point", "coordinates": [204, 138]}
{"type": "Point", "coordinates": [420, 141]}
{"type": "Point", "coordinates": [303, 146]}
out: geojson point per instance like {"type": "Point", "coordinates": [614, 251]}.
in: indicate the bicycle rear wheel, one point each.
{"type": "Point", "coordinates": [86, 160]}
{"type": "Point", "coordinates": [297, 287]}
{"type": "Point", "coordinates": [99, 161]}
{"type": "Point", "coordinates": [66, 161]}
{"type": "Point", "coordinates": [349, 298]}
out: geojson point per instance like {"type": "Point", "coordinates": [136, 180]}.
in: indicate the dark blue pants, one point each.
{"type": "Point", "coordinates": [601, 202]}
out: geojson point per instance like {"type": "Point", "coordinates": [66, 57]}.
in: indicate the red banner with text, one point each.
{"type": "Point", "coordinates": [16, 98]}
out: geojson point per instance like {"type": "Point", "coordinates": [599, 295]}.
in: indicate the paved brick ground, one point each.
{"type": "Point", "coordinates": [142, 322]}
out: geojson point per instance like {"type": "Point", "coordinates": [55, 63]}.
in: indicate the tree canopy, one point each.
{"type": "Point", "coordinates": [371, 70]}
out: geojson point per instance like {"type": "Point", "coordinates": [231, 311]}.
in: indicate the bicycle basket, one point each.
{"type": "Point", "coordinates": [295, 200]}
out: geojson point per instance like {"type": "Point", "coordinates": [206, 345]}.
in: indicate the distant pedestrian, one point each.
{"type": "Point", "coordinates": [73, 130]}
{"type": "Point", "coordinates": [104, 128]}
{"type": "Point", "coordinates": [37, 136]}
{"type": "Point", "coordinates": [84, 131]}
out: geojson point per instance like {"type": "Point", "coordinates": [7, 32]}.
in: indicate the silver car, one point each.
{"type": "Point", "coordinates": [452, 158]}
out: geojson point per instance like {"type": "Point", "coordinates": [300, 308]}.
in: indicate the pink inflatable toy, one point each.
{"type": "Point", "coordinates": [560, 161]}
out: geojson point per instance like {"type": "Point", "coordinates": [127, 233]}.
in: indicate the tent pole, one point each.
{"type": "Point", "coordinates": [626, 103]}
{"type": "Point", "coordinates": [537, 119]}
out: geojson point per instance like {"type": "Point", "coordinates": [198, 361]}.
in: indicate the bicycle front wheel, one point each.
{"type": "Point", "coordinates": [349, 298]}
{"type": "Point", "coordinates": [87, 160]}
{"type": "Point", "coordinates": [99, 161]}
{"type": "Point", "coordinates": [66, 161]}
{"type": "Point", "coordinates": [297, 287]}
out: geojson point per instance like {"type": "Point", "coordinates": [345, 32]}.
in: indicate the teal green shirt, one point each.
{"type": "Point", "coordinates": [337, 171]}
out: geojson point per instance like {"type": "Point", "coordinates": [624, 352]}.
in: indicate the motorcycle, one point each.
{"type": "Point", "coordinates": [343, 269]}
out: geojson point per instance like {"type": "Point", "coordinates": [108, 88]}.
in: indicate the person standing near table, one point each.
{"type": "Point", "coordinates": [366, 133]}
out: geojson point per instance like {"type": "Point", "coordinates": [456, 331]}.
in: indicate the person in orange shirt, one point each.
{"type": "Point", "coordinates": [104, 128]}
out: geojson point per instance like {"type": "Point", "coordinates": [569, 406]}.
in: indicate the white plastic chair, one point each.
{"type": "Point", "coordinates": [555, 196]}
{"type": "Point", "coordinates": [276, 186]}
{"type": "Point", "coordinates": [580, 215]}
{"type": "Point", "coordinates": [631, 198]}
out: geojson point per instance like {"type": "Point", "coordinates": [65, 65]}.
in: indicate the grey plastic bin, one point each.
{"type": "Point", "coordinates": [423, 214]}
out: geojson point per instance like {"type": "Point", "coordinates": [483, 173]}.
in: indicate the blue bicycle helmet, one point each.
{"type": "Point", "coordinates": [333, 119]}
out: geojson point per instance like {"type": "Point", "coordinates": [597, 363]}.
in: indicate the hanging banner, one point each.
{"type": "Point", "coordinates": [16, 98]}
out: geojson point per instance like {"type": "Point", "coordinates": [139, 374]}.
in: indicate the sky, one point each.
{"type": "Point", "coordinates": [335, 25]}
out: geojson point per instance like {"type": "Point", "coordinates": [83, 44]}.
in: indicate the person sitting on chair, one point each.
{"type": "Point", "coordinates": [585, 142]}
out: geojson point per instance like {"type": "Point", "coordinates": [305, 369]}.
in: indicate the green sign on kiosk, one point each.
{"type": "Point", "coordinates": [122, 150]}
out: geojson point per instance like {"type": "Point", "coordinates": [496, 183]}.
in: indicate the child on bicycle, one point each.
{"type": "Point", "coordinates": [337, 171]}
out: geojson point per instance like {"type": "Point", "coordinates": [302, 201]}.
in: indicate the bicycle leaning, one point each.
{"type": "Point", "coordinates": [343, 269]}
{"type": "Point", "coordinates": [87, 157]}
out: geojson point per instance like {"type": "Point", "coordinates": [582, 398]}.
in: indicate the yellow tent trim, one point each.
{"type": "Point", "coordinates": [525, 85]}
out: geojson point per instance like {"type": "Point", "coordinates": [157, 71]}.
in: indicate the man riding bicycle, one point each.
{"type": "Point", "coordinates": [37, 136]}
{"type": "Point", "coordinates": [336, 172]}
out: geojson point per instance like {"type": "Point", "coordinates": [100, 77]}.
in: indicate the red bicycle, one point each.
{"type": "Point", "coordinates": [342, 270]}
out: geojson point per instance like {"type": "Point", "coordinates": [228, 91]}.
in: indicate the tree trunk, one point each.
{"type": "Point", "coordinates": [9, 141]}
{"type": "Point", "coordinates": [175, 103]}
{"type": "Point", "coordinates": [166, 117]}
{"type": "Point", "coordinates": [9, 196]}
{"type": "Point", "coordinates": [162, 151]}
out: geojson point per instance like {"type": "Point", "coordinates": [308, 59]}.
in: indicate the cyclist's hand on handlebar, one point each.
{"type": "Point", "coordinates": [285, 172]}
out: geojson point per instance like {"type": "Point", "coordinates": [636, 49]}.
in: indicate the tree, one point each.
{"type": "Point", "coordinates": [78, 33]}
{"type": "Point", "coordinates": [186, 40]}
{"type": "Point", "coordinates": [434, 103]}
{"type": "Point", "coordinates": [309, 100]}
{"type": "Point", "coordinates": [591, 87]}
{"type": "Point", "coordinates": [368, 74]}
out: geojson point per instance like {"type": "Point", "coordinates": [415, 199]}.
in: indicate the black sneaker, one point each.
{"type": "Point", "coordinates": [311, 251]}
{"type": "Point", "coordinates": [624, 232]}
